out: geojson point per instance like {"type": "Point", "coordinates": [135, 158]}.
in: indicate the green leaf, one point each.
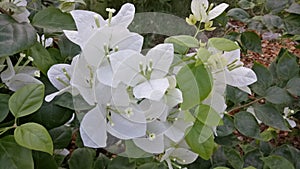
{"type": "Point", "coordinates": [228, 140]}
{"type": "Point", "coordinates": [43, 160]}
{"type": "Point", "coordinates": [293, 86]}
{"type": "Point", "coordinates": [264, 79]}
{"type": "Point", "coordinates": [238, 14]}
{"type": "Point", "coordinates": [246, 124]}
{"type": "Point", "coordinates": [13, 156]}
{"type": "Point", "coordinates": [270, 116]}
{"type": "Point", "coordinates": [272, 21]}
{"type": "Point", "coordinates": [4, 109]}
{"type": "Point", "coordinates": [276, 6]}
{"type": "Point", "coordinates": [245, 4]}
{"type": "Point", "coordinates": [182, 43]}
{"type": "Point", "coordinates": [289, 152]}
{"type": "Point", "coordinates": [227, 128]}
{"type": "Point", "coordinates": [207, 115]}
{"type": "Point", "coordinates": [287, 67]}
{"type": "Point", "coordinates": [252, 158]}
{"type": "Point", "coordinates": [221, 168]}
{"type": "Point", "coordinates": [67, 48]}
{"type": "Point", "coordinates": [277, 162]}
{"type": "Point", "coordinates": [151, 165]}
{"type": "Point", "coordinates": [72, 102]}
{"type": "Point", "coordinates": [42, 58]}
{"type": "Point", "coordinates": [277, 95]}
{"type": "Point", "coordinates": [294, 8]}
{"type": "Point", "coordinates": [195, 83]}
{"type": "Point", "coordinates": [53, 20]}
{"type": "Point", "coordinates": [34, 136]}
{"type": "Point", "coordinates": [292, 24]}
{"type": "Point", "coordinates": [26, 100]}
{"type": "Point", "coordinates": [199, 132]}
{"type": "Point", "coordinates": [235, 95]}
{"type": "Point", "coordinates": [234, 158]}
{"type": "Point", "coordinates": [82, 158]}
{"type": "Point", "coordinates": [223, 44]}
{"type": "Point", "coordinates": [121, 163]}
{"type": "Point", "coordinates": [101, 162]}
{"type": "Point", "coordinates": [14, 36]}
{"type": "Point", "coordinates": [251, 41]}
{"type": "Point", "coordinates": [61, 136]}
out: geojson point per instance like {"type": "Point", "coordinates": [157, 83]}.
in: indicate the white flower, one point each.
{"type": "Point", "coordinates": [287, 111]}
{"type": "Point", "coordinates": [16, 77]}
{"type": "Point", "coordinates": [45, 42]}
{"type": "Point", "coordinates": [203, 12]}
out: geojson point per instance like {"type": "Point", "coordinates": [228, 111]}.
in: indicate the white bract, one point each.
{"type": "Point", "coordinates": [20, 13]}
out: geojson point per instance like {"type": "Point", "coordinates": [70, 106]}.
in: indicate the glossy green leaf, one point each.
{"type": "Point", "coordinates": [269, 115]}
{"type": "Point", "coordinates": [227, 127]}
{"type": "Point", "coordinates": [234, 158]}
{"type": "Point", "coordinates": [182, 43]}
{"type": "Point", "coordinates": [42, 58]}
{"type": "Point", "coordinates": [277, 95]}
{"type": "Point", "coordinates": [26, 100]}
{"type": "Point", "coordinates": [287, 67]}
{"type": "Point", "coordinates": [264, 79]}
{"type": "Point", "coordinates": [43, 160]}
{"type": "Point", "coordinates": [54, 20]}
{"type": "Point", "coordinates": [277, 162]}
{"type": "Point", "coordinates": [14, 156]}
{"type": "Point", "coordinates": [207, 115]}
{"type": "Point", "coordinates": [205, 149]}
{"type": "Point", "coordinates": [223, 44]}
{"type": "Point", "coordinates": [246, 124]}
{"type": "Point", "coordinates": [238, 14]}
{"type": "Point", "coordinates": [293, 86]}
{"type": "Point", "coordinates": [34, 136]}
{"type": "Point", "coordinates": [14, 36]}
{"type": "Point", "coordinates": [235, 95]}
{"type": "Point", "coordinates": [195, 83]}
{"type": "Point", "coordinates": [82, 158]}
{"type": "Point", "coordinates": [251, 41]}
{"type": "Point", "coordinates": [4, 109]}
{"type": "Point", "coordinates": [61, 136]}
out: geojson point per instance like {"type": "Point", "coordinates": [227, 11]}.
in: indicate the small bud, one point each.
{"type": "Point", "coordinates": [30, 59]}
{"type": "Point", "coordinates": [22, 55]}
{"type": "Point", "coordinates": [152, 136]}
{"type": "Point", "coordinates": [37, 73]}
{"type": "Point", "coordinates": [110, 10]}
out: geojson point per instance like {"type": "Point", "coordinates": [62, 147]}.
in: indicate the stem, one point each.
{"type": "Point", "coordinates": [198, 30]}
{"type": "Point", "coordinates": [5, 129]}
{"type": "Point", "coordinates": [245, 105]}
{"type": "Point", "coordinates": [183, 60]}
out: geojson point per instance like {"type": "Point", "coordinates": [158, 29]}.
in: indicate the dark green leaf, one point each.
{"type": "Point", "coordinates": [292, 24]}
{"type": "Point", "coordinates": [42, 58]}
{"type": "Point", "coordinates": [251, 41]}
{"type": "Point", "coordinates": [34, 136]}
{"type": "Point", "coordinates": [43, 160]}
{"type": "Point", "coordinates": [252, 158]}
{"type": "Point", "coordinates": [234, 158]}
{"type": "Point", "coordinates": [246, 124]}
{"type": "Point", "coordinates": [151, 165]}
{"type": "Point", "coordinates": [208, 116]}
{"type": "Point", "coordinates": [223, 44]}
{"type": "Point", "coordinates": [200, 163]}
{"type": "Point", "coordinates": [13, 156]}
{"type": "Point", "coordinates": [238, 14]}
{"type": "Point", "coordinates": [277, 95]}
{"type": "Point", "coordinates": [290, 153]}
{"type": "Point", "coordinates": [67, 48]}
{"type": "Point", "coordinates": [121, 163]}
{"type": "Point", "coordinates": [276, 6]}
{"type": "Point", "coordinates": [227, 127]}
{"type": "Point", "coordinates": [270, 116]}
{"type": "Point", "coordinates": [53, 20]}
{"type": "Point", "coordinates": [82, 158]}
{"type": "Point", "coordinates": [61, 136]}
{"type": "Point", "coordinates": [219, 158]}
{"type": "Point", "coordinates": [287, 67]}
{"type": "Point", "coordinates": [264, 79]}
{"type": "Point", "coordinates": [27, 100]}
{"type": "Point", "coordinates": [72, 102]}
{"type": "Point", "coordinates": [245, 4]}
{"type": "Point", "coordinates": [101, 162]}
{"type": "Point", "coordinates": [228, 140]}
{"type": "Point", "coordinates": [195, 83]}
{"type": "Point", "coordinates": [235, 95]}
{"type": "Point", "coordinates": [272, 21]}
{"type": "Point", "coordinates": [14, 36]}
{"type": "Point", "coordinates": [293, 86]}
{"type": "Point", "coordinates": [277, 162]}
{"type": "Point", "coordinates": [182, 43]}
{"type": "Point", "coordinates": [4, 109]}
{"type": "Point", "coordinates": [294, 8]}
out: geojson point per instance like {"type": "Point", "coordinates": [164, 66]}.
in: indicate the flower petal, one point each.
{"type": "Point", "coordinates": [124, 16]}
{"type": "Point", "coordinates": [155, 146]}
{"type": "Point", "coordinates": [240, 77]}
{"type": "Point", "coordinates": [152, 89]}
{"type": "Point", "coordinates": [55, 72]}
{"type": "Point", "coordinates": [216, 11]}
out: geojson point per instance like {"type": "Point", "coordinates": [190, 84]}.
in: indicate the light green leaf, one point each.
{"type": "Point", "coordinates": [207, 115]}
{"type": "Point", "coordinates": [205, 149]}
{"type": "Point", "coordinates": [182, 43]}
{"type": "Point", "coordinates": [82, 158]}
{"type": "Point", "coordinates": [34, 136]}
{"type": "Point", "coordinates": [251, 41]}
{"type": "Point", "coordinates": [195, 83]}
{"type": "Point", "coordinates": [293, 86]}
{"type": "Point", "coordinates": [264, 79]}
{"type": "Point", "coordinates": [53, 20]}
{"type": "Point", "coordinates": [238, 14]}
{"type": "Point", "coordinates": [246, 124]}
{"type": "Point", "coordinates": [42, 58]}
{"type": "Point", "coordinates": [277, 162]}
{"type": "Point", "coordinates": [26, 100]}
{"type": "Point", "coordinates": [14, 36]}
{"type": "Point", "coordinates": [4, 109]}
{"type": "Point", "coordinates": [269, 115]}
{"type": "Point", "coordinates": [287, 67]}
{"type": "Point", "coordinates": [277, 95]}
{"type": "Point", "coordinates": [223, 44]}
{"type": "Point", "coordinates": [13, 156]}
